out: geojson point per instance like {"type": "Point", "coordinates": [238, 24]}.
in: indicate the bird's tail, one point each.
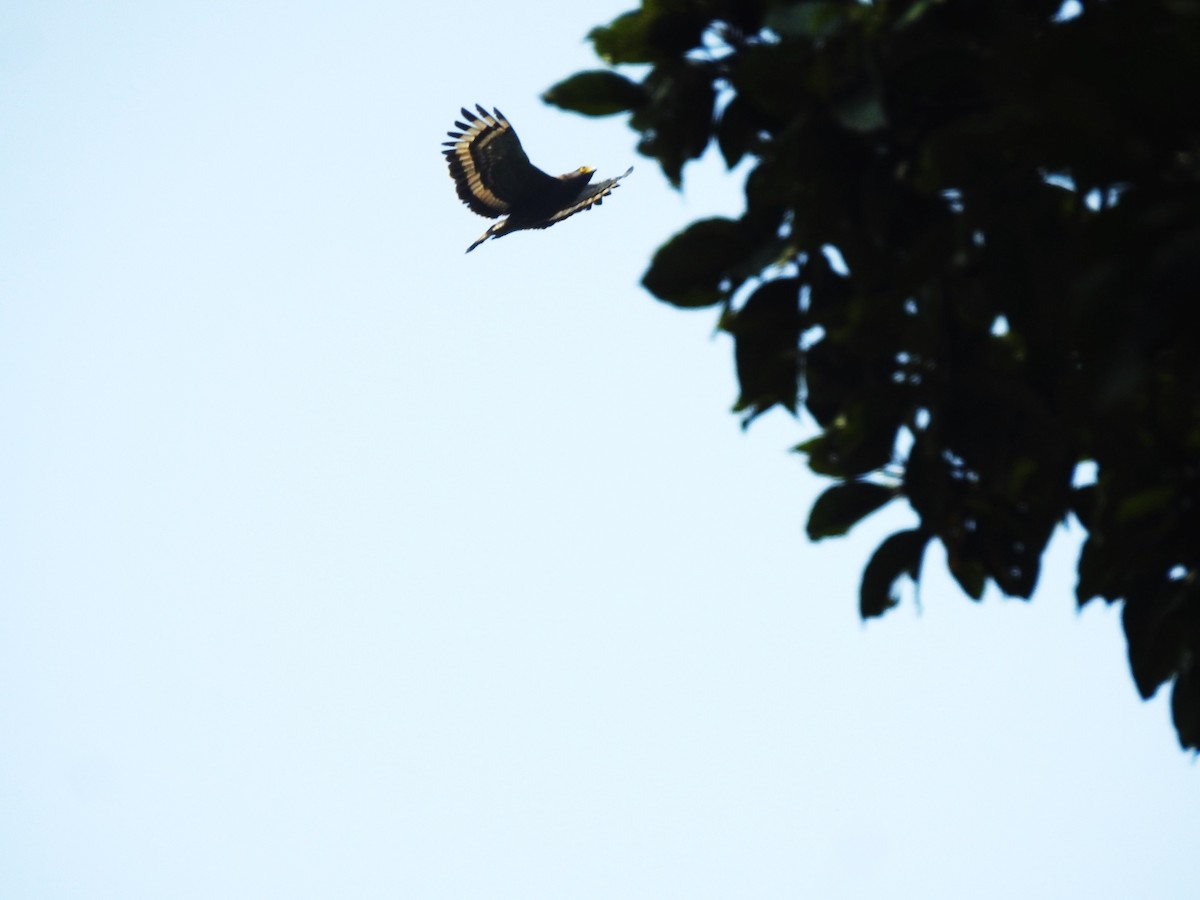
{"type": "Point", "coordinates": [487, 234]}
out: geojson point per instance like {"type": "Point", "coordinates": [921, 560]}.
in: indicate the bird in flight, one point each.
{"type": "Point", "coordinates": [495, 178]}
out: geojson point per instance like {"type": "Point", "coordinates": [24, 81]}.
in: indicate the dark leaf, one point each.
{"type": "Point", "coordinates": [1160, 618]}
{"type": "Point", "coordinates": [596, 93]}
{"type": "Point", "coordinates": [968, 572]}
{"type": "Point", "coordinates": [1083, 504]}
{"type": "Point", "coordinates": [766, 332]}
{"type": "Point", "coordinates": [900, 554]}
{"type": "Point", "coordinates": [862, 109]}
{"type": "Point", "coordinates": [693, 268]}
{"type": "Point", "coordinates": [1093, 570]}
{"type": "Point", "coordinates": [771, 78]}
{"type": "Point", "coordinates": [677, 124]}
{"type": "Point", "coordinates": [843, 506]}
{"type": "Point", "coordinates": [833, 378]}
{"type": "Point", "coordinates": [737, 131]}
{"type": "Point", "coordinates": [1185, 706]}
{"type": "Point", "coordinates": [858, 443]}
{"type": "Point", "coordinates": [626, 39]}
{"type": "Point", "coordinates": [657, 31]}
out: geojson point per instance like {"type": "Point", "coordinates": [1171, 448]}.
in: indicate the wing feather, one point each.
{"type": "Point", "coordinates": [491, 172]}
{"type": "Point", "coordinates": [592, 195]}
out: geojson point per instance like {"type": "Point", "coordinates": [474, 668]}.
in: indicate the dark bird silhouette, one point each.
{"type": "Point", "coordinates": [495, 178]}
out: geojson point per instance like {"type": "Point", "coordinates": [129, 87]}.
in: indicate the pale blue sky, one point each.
{"type": "Point", "coordinates": [336, 563]}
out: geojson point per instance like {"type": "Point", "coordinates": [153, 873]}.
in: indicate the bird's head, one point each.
{"type": "Point", "coordinates": [579, 177]}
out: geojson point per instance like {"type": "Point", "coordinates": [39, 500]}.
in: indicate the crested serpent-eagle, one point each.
{"type": "Point", "coordinates": [495, 178]}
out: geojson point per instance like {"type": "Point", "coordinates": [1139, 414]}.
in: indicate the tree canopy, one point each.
{"type": "Point", "coordinates": [970, 251]}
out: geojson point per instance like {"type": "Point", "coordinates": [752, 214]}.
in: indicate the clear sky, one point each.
{"type": "Point", "coordinates": [336, 563]}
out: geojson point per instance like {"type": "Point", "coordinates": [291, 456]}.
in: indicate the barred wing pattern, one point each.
{"type": "Point", "coordinates": [593, 195]}
{"type": "Point", "coordinates": [488, 164]}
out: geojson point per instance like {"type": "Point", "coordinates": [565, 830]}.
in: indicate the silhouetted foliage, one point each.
{"type": "Point", "coordinates": [971, 249]}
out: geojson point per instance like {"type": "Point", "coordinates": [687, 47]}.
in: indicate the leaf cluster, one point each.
{"type": "Point", "coordinates": [970, 251]}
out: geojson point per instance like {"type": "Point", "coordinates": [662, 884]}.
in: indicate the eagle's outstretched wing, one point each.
{"type": "Point", "coordinates": [491, 172]}
{"type": "Point", "coordinates": [592, 195]}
